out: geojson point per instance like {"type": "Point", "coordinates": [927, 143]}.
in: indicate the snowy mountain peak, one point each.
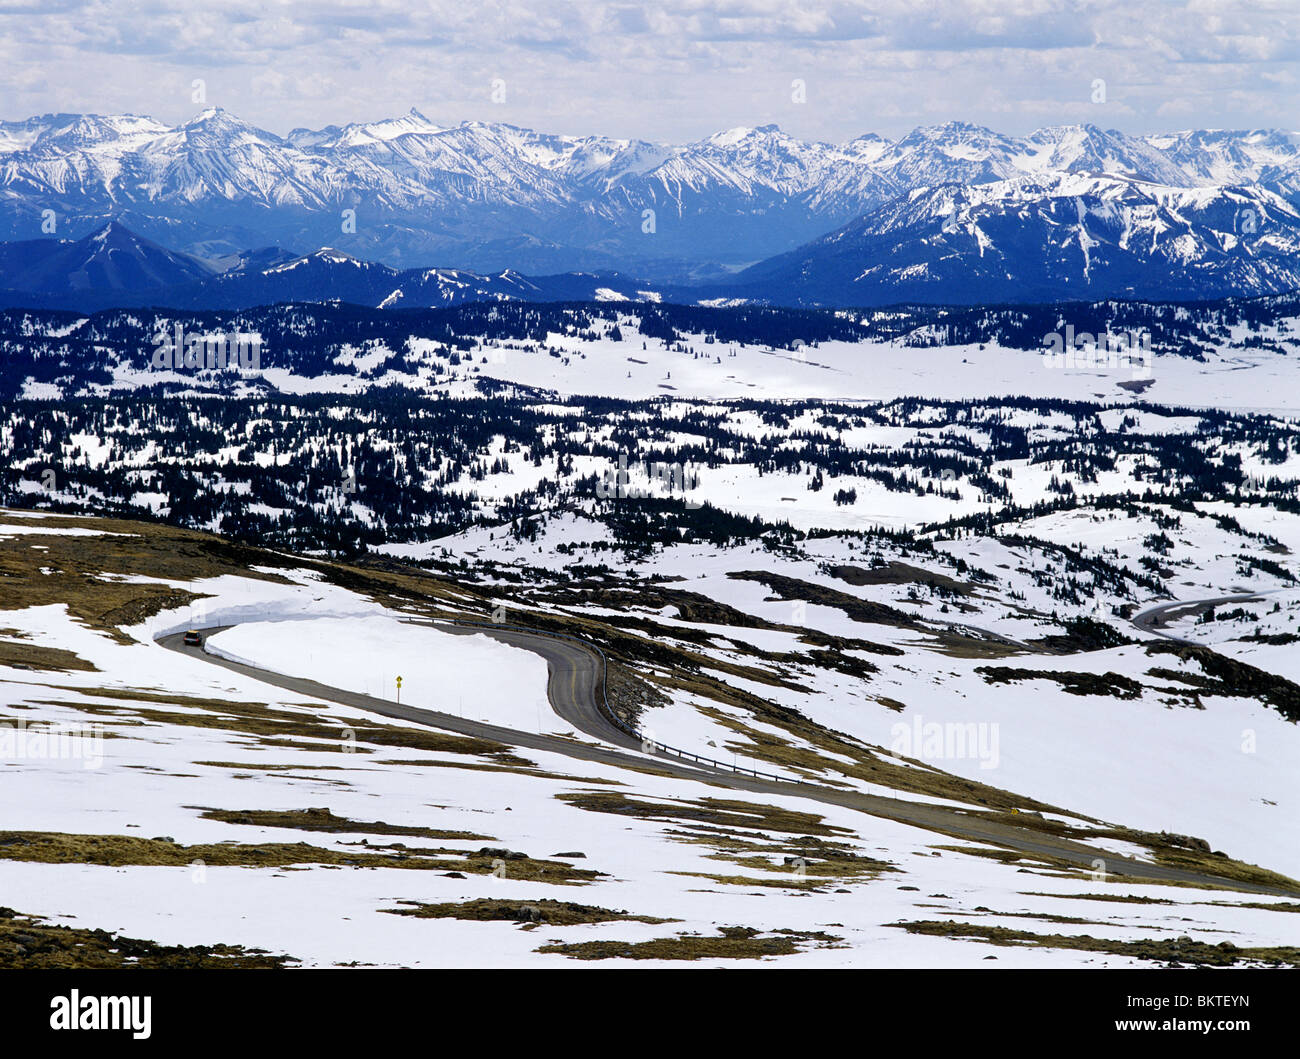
{"type": "Point", "coordinates": [114, 233]}
{"type": "Point", "coordinates": [743, 133]}
{"type": "Point", "coordinates": [216, 129]}
{"type": "Point", "coordinates": [338, 257]}
{"type": "Point", "coordinates": [217, 118]}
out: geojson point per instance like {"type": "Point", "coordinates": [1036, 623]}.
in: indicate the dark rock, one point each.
{"type": "Point", "coordinates": [1186, 841]}
{"type": "Point", "coordinates": [503, 854]}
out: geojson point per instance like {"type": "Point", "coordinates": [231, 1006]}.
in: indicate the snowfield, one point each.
{"type": "Point", "coordinates": [638, 367]}
{"type": "Point", "coordinates": [472, 676]}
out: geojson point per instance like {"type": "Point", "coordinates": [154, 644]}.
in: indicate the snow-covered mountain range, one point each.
{"type": "Point", "coordinates": [1058, 236]}
{"type": "Point", "coordinates": [489, 196]}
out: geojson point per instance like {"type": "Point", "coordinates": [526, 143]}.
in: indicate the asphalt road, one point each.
{"type": "Point", "coordinates": [574, 679]}
{"type": "Point", "coordinates": [575, 676]}
{"type": "Point", "coordinates": [1152, 619]}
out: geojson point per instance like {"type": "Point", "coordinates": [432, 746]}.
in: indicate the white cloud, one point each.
{"type": "Point", "coordinates": [674, 71]}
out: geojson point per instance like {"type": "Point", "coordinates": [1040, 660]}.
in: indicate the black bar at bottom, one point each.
{"type": "Point", "coordinates": [778, 1007]}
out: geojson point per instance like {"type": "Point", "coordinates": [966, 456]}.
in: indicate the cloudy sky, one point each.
{"type": "Point", "coordinates": [674, 70]}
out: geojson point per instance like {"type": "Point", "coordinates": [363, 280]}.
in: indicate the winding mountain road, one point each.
{"type": "Point", "coordinates": [1153, 619]}
{"type": "Point", "coordinates": [575, 675]}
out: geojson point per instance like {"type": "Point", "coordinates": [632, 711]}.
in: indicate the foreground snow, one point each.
{"type": "Point", "coordinates": [168, 758]}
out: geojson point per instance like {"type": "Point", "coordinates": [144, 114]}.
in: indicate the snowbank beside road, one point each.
{"type": "Point", "coordinates": [471, 675]}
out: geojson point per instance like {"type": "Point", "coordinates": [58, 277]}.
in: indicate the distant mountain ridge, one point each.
{"type": "Point", "coordinates": [116, 268]}
{"type": "Point", "coordinates": [1058, 237]}
{"type": "Point", "coordinates": [113, 258]}
{"type": "Point", "coordinates": [487, 197]}
{"type": "Point", "coordinates": [1063, 237]}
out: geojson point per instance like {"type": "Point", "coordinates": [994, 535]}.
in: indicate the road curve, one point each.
{"type": "Point", "coordinates": [1152, 619]}
{"type": "Point", "coordinates": [572, 696]}
{"type": "Point", "coordinates": [575, 674]}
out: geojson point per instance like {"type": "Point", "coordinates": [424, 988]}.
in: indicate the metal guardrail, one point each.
{"type": "Point", "coordinates": [648, 746]}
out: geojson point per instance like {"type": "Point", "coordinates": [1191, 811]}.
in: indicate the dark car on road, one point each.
{"type": "Point", "coordinates": [193, 639]}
